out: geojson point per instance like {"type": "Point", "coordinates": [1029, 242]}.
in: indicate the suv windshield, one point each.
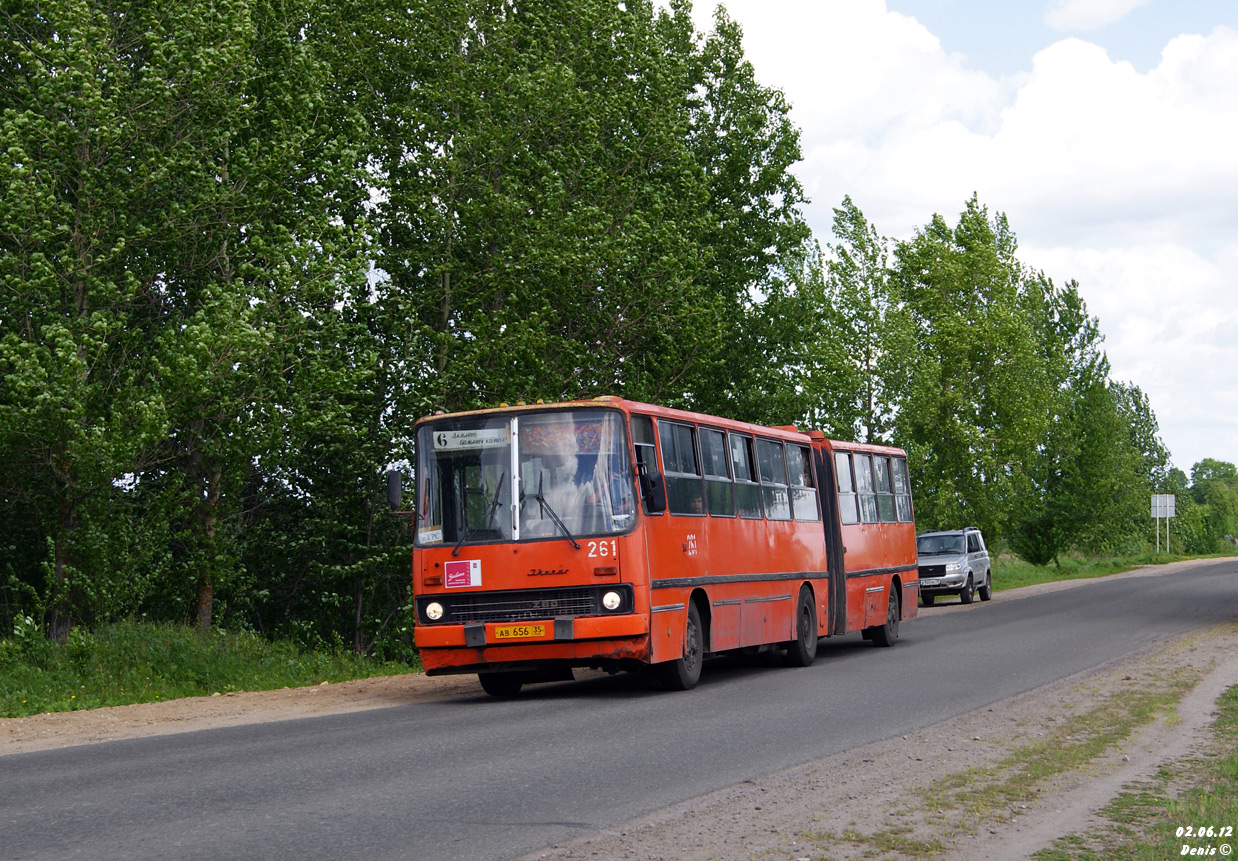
{"type": "Point", "coordinates": [940, 545]}
{"type": "Point", "coordinates": [514, 478]}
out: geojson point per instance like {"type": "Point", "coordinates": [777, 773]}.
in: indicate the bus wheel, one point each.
{"type": "Point", "coordinates": [682, 674]}
{"type": "Point", "coordinates": [501, 684]}
{"type": "Point", "coordinates": [885, 635]}
{"type": "Point", "coordinates": [986, 591]}
{"type": "Point", "coordinates": [968, 591]}
{"type": "Point", "coordinates": [803, 649]}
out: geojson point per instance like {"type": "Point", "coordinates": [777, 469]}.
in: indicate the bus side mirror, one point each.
{"type": "Point", "coordinates": [395, 492]}
{"type": "Point", "coordinates": [652, 490]}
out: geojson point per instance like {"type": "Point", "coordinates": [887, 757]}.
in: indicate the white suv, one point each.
{"type": "Point", "coordinates": [953, 563]}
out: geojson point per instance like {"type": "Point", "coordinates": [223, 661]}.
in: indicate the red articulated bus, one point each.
{"type": "Point", "coordinates": [619, 535]}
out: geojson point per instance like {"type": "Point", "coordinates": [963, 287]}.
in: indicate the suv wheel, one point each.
{"type": "Point", "coordinates": [986, 591]}
{"type": "Point", "coordinates": [967, 593]}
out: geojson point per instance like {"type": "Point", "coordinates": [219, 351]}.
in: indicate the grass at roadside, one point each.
{"type": "Point", "coordinates": [960, 804]}
{"type": "Point", "coordinates": [1151, 820]}
{"type": "Point", "coordinates": [990, 794]}
{"type": "Point", "coordinates": [1011, 572]}
{"type": "Point", "coordinates": [134, 662]}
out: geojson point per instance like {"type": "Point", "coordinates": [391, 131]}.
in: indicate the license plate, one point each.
{"type": "Point", "coordinates": [519, 632]}
{"type": "Point", "coordinates": [929, 582]}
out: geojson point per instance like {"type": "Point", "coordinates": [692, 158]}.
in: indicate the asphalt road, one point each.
{"type": "Point", "coordinates": [476, 778]}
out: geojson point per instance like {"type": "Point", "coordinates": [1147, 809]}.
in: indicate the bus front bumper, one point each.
{"type": "Point", "coordinates": [581, 641]}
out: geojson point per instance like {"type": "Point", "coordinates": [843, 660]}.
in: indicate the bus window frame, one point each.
{"type": "Point", "coordinates": [806, 474]}
{"type": "Point", "coordinates": [849, 499]}
{"type": "Point", "coordinates": [654, 464]}
{"type": "Point", "coordinates": [865, 493]}
{"type": "Point", "coordinates": [717, 479]}
{"type": "Point", "coordinates": [770, 488]}
{"type": "Point", "coordinates": [902, 498]}
{"type": "Point", "coordinates": [670, 475]}
{"type": "Point", "coordinates": [886, 508]}
{"type": "Point", "coordinates": [753, 483]}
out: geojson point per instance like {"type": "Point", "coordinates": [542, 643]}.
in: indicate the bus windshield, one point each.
{"type": "Point", "coordinates": [559, 474]}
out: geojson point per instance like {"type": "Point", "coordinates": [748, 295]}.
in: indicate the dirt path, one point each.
{"type": "Point", "coordinates": [817, 811]}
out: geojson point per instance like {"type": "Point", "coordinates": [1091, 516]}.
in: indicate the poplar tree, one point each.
{"type": "Point", "coordinates": [972, 408]}
{"type": "Point", "coordinates": [172, 198]}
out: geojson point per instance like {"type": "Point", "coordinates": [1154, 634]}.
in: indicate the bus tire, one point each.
{"type": "Point", "coordinates": [802, 651]}
{"type": "Point", "coordinates": [986, 591]}
{"type": "Point", "coordinates": [683, 673]}
{"type": "Point", "coordinates": [502, 685]}
{"type": "Point", "coordinates": [885, 635]}
{"type": "Point", "coordinates": [968, 592]}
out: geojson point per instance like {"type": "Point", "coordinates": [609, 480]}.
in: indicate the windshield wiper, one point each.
{"type": "Point", "coordinates": [494, 503]}
{"type": "Point", "coordinates": [464, 536]}
{"type": "Point", "coordinates": [545, 508]}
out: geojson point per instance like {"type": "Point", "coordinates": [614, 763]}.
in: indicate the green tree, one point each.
{"type": "Point", "coordinates": [1053, 501]}
{"type": "Point", "coordinates": [755, 242]}
{"type": "Point", "coordinates": [869, 330]}
{"type": "Point", "coordinates": [539, 226]}
{"type": "Point", "coordinates": [84, 129]}
{"type": "Point", "coordinates": [177, 190]}
{"type": "Point", "coordinates": [1214, 489]}
{"type": "Point", "coordinates": [971, 410]}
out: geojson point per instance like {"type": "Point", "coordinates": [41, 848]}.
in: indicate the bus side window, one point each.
{"type": "Point", "coordinates": [848, 506]}
{"type": "Point", "coordinates": [747, 491]}
{"type": "Point", "coordinates": [772, 467]}
{"type": "Point", "coordinates": [803, 494]}
{"type": "Point", "coordinates": [719, 493]}
{"type": "Point", "coordinates": [885, 491]}
{"type": "Point", "coordinates": [902, 490]}
{"type": "Point", "coordinates": [646, 461]}
{"type": "Point", "coordinates": [683, 476]}
{"type": "Point", "coordinates": [864, 486]}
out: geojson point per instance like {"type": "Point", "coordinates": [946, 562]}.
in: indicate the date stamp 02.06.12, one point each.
{"type": "Point", "coordinates": [1203, 839]}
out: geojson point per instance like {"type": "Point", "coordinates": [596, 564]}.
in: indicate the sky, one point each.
{"type": "Point", "coordinates": [1105, 130]}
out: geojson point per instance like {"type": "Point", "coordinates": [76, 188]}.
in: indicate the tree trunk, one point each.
{"type": "Point", "coordinates": [208, 513]}
{"type": "Point", "coordinates": [61, 619]}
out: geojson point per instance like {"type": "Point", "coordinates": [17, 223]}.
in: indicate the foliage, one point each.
{"type": "Point", "coordinates": [133, 662]}
{"type": "Point", "coordinates": [1013, 572]}
{"type": "Point", "coordinates": [972, 394]}
{"type": "Point", "coordinates": [245, 244]}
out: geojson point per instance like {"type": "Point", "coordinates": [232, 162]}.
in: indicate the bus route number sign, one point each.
{"type": "Point", "coordinates": [463, 440]}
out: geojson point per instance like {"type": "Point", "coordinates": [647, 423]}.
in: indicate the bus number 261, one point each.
{"type": "Point", "coordinates": [603, 548]}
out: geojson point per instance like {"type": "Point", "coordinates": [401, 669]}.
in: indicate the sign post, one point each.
{"type": "Point", "coordinates": [1163, 505]}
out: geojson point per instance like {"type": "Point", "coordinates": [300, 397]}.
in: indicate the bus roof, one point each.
{"type": "Point", "coordinates": [627, 406]}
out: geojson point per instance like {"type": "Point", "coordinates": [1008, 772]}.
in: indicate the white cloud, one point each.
{"type": "Point", "coordinates": [1123, 180]}
{"type": "Point", "coordinates": [1169, 318]}
{"type": "Point", "coordinates": [1088, 14]}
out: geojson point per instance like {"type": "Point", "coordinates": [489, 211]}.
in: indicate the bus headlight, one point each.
{"type": "Point", "coordinates": [434, 611]}
{"type": "Point", "coordinates": [611, 600]}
